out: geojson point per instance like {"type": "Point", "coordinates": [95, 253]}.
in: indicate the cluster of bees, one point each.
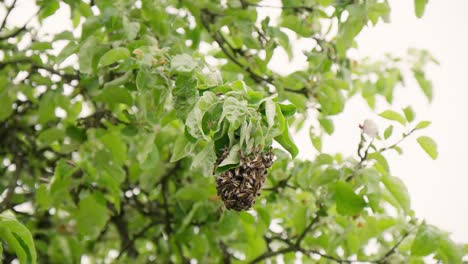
{"type": "Point", "coordinates": [240, 186]}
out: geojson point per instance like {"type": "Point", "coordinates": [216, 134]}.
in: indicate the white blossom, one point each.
{"type": "Point", "coordinates": [370, 128]}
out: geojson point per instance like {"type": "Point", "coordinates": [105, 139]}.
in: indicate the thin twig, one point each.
{"type": "Point", "coordinates": [21, 29]}
{"type": "Point", "coordinates": [393, 249]}
{"type": "Point", "coordinates": [135, 237]}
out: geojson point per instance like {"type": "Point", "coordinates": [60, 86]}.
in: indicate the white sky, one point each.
{"type": "Point", "coordinates": [438, 189]}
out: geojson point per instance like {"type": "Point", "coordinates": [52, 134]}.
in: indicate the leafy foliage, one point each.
{"type": "Point", "coordinates": [111, 132]}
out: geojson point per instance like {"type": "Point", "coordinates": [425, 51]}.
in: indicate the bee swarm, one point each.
{"type": "Point", "coordinates": [240, 186]}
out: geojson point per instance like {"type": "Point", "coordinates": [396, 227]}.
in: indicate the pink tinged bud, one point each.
{"type": "Point", "coordinates": [370, 128]}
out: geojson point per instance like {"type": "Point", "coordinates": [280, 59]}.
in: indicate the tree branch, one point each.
{"type": "Point", "coordinates": [4, 205]}
{"type": "Point", "coordinates": [393, 249]}
{"type": "Point", "coordinates": [131, 241]}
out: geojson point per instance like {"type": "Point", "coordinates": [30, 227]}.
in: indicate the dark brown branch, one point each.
{"type": "Point", "coordinates": [122, 228]}
{"type": "Point", "coordinates": [309, 227]}
{"type": "Point", "coordinates": [226, 254]}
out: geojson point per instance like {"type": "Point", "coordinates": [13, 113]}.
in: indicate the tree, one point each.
{"type": "Point", "coordinates": [144, 134]}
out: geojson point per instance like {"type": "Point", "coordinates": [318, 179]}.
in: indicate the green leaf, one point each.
{"type": "Point", "coordinates": [50, 135]}
{"type": "Point", "coordinates": [205, 159]}
{"type": "Point", "coordinates": [131, 28]}
{"type": "Point", "coordinates": [398, 190]}
{"type": "Point", "coordinates": [182, 148]}
{"type": "Point", "coordinates": [288, 110]}
{"type": "Point", "coordinates": [48, 8]}
{"type": "Point", "coordinates": [394, 116]}
{"type": "Point", "coordinates": [381, 161]}
{"type": "Point", "coordinates": [424, 83]}
{"type": "Point", "coordinates": [449, 252]}
{"type": "Point", "coordinates": [92, 216]}
{"type": "Point", "coordinates": [114, 95]}
{"type": "Point", "coordinates": [19, 239]}
{"type": "Point", "coordinates": [234, 111]}
{"type": "Point", "coordinates": [327, 125]}
{"type": "Point", "coordinates": [426, 241]}
{"type": "Point", "coordinates": [423, 124]}
{"type": "Point", "coordinates": [86, 55]}
{"type": "Point", "coordinates": [185, 93]}
{"type": "Point", "coordinates": [347, 31]}
{"type": "Point", "coordinates": [419, 7]}
{"type": "Point", "coordinates": [316, 141]}
{"type": "Point", "coordinates": [429, 145]}
{"type": "Point", "coordinates": [270, 112]}
{"type": "Point", "coordinates": [231, 160]}
{"type": "Point", "coordinates": [409, 113]}
{"type": "Point", "coordinates": [388, 132]}
{"type": "Point", "coordinates": [347, 202]}
{"type": "Point", "coordinates": [114, 55]}
{"type": "Point", "coordinates": [286, 142]}
{"type": "Point", "coordinates": [5, 104]}
{"type": "Point", "coordinates": [183, 63]}
{"type": "Point", "coordinates": [116, 146]}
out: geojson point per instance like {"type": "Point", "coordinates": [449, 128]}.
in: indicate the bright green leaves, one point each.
{"type": "Point", "coordinates": [430, 239]}
{"type": "Point", "coordinates": [424, 83]}
{"type": "Point", "coordinates": [185, 94]}
{"type": "Point", "coordinates": [347, 202]}
{"type": "Point", "coordinates": [376, 10]}
{"type": "Point", "coordinates": [423, 124]}
{"type": "Point", "coordinates": [113, 56]}
{"type": "Point", "coordinates": [394, 116]}
{"type": "Point", "coordinates": [420, 7]}
{"type": "Point", "coordinates": [86, 55]}
{"type": "Point", "coordinates": [357, 19]}
{"type": "Point", "coordinates": [92, 216]}
{"type": "Point", "coordinates": [6, 102]}
{"type": "Point", "coordinates": [331, 99]}
{"type": "Point", "coordinates": [19, 239]}
{"type": "Point", "coordinates": [48, 8]}
{"type": "Point", "coordinates": [114, 95]}
{"type": "Point", "coordinates": [388, 132]}
{"type": "Point", "coordinates": [426, 241]}
{"type": "Point", "coordinates": [399, 192]}
{"type": "Point", "coordinates": [409, 113]}
{"type": "Point", "coordinates": [429, 146]}
{"type": "Point", "coordinates": [285, 140]}
{"type": "Point", "coordinates": [449, 252]}
{"type": "Point", "coordinates": [115, 146]}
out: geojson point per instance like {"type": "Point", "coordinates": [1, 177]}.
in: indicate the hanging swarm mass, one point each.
{"type": "Point", "coordinates": [239, 187]}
